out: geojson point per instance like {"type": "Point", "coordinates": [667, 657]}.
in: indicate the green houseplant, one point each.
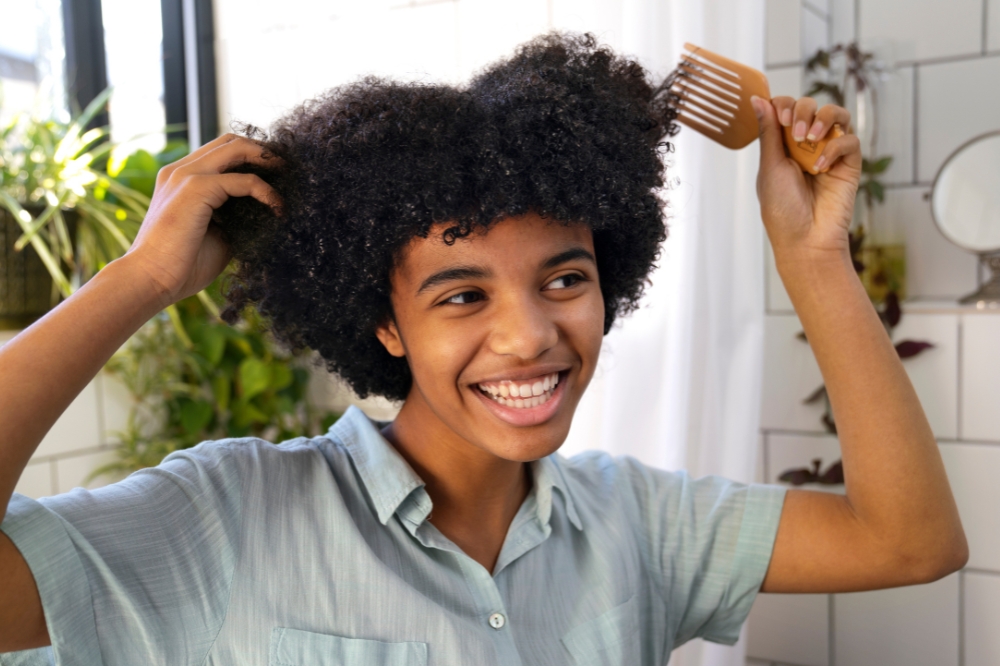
{"type": "Point", "coordinates": [72, 214]}
{"type": "Point", "coordinates": [76, 206]}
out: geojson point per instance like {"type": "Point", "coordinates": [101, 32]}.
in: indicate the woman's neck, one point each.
{"type": "Point", "coordinates": [475, 493]}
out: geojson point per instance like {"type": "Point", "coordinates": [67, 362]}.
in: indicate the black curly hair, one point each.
{"type": "Point", "coordinates": [565, 128]}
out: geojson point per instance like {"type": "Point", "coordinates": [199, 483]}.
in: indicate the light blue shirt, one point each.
{"type": "Point", "coordinates": [319, 552]}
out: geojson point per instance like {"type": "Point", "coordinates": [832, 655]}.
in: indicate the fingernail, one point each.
{"type": "Point", "coordinates": [786, 117]}
{"type": "Point", "coordinates": [800, 131]}
{"type": "Point", "coordinates": [757, 106]}
{"type": "Point", "coordinates": [820, 163]}
{"type": "Point", "coordinates": [815, 131]}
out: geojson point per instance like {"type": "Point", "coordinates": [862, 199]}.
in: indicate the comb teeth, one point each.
{"type": "Point", "coordinates": [708, 95]}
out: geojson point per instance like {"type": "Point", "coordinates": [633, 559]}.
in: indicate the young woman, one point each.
{"type": "Point", "coordinates": [464, 251]}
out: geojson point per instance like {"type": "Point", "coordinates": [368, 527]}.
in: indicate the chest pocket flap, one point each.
{"type": "Point", "coordinates": [611, 639]}
{"type": "Point", "coordinates": [292, 647]}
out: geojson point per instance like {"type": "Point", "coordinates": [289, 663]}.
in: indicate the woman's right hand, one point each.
{"type": "Point", "coordinates": [175, 246]}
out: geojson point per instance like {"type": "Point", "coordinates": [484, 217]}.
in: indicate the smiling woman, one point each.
{"type": "Point", "coordinates": [463, 251]}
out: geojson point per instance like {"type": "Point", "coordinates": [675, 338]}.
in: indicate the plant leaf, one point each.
{"type": "Point", "coordinates": [212, 343]}
{"type": "Point", "coordinates": [281, 376]}
{"type": "Point", "coordinates": [221, 389]}
{"type": "Point", "coordinates": [255, 377]}
{"type": "Point", "coordinates": [797, 477]}
{"type": "Point", "coordinates": [195, 416]}
{"type": "Point", "coordinates": [911, 348]}
{"type": "Point", "coordinates": [834, 475]}
{"type": "Point", "coordinates": [815, 396]}
{"type": "Point", "coordinates": [892, 313]}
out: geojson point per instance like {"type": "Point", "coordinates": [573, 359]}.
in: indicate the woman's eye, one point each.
{"type": "Point", "coordinates": [465, 297]}
{"type": "Point", "coordinates": [563, 281]}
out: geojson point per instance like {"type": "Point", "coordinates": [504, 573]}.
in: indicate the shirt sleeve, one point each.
{"type": "Point", "coordinates": [709, 542]}
{"type": "Point", "coordinates": [139, 571]}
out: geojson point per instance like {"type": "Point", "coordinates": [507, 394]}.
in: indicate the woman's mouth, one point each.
{"type": "Point", "coordinates": [522, 394]}
{"type": "Point", "coordinates": [524, 402]}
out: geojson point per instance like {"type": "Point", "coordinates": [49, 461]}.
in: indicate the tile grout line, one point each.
{"type": "Point", "coordinates": [986, 16]}
{"type": "Point", "coordinates": [948, 60]}
{"type": "Point", "coordinates": [981, 572]}
{"type": "Point", "coordinates": [767, 457]}
{"type": "Point", "coordinates": [857, 33]}
{"type": "Point", "coordinates": [916, 123]}
{"type": "Point", "coordinates": [961, 618]}
{"type": "Point", "coordinates": [831, 627]}
{"type": "Point", "coordinates": [960, 357]}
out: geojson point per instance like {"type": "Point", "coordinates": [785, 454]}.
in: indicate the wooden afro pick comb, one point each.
{"type": "Point", "coordinates": [712, 96]}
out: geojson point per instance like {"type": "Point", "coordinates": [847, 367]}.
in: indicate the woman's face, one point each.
{"type": "Point", "coordinates": [501, 330]}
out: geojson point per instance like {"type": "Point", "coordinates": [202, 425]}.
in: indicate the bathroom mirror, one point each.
{"type": "Point", "coordinates": [965, 203]}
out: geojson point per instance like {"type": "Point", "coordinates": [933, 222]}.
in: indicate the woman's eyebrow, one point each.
{"type": "Point", "coordinates": [454, 273]}
{"type": "Point", "coordinates": [568, 255]}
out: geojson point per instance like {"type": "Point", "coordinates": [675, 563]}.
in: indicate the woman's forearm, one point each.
{"type": "Point", "coordinates": [895, 478]}
{"type": "Point", "coordinates": [46, 366]}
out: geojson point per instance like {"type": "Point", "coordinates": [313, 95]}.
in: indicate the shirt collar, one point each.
{"type": "Point", "coordinates": [390, 480]}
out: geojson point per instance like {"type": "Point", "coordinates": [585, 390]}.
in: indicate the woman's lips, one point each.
{"type": "Point", "coordinates": [544, 395]}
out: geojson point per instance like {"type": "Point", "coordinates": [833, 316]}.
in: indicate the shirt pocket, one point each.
{"type": "Point", "coordinates": [611, 639]}
{"type": "Point", "coordinates": [293, 647]}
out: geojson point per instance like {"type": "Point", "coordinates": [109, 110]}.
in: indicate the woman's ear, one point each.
{"type": "Point", "coordinates": [388, 335]}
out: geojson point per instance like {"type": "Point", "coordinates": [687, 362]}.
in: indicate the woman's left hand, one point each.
{"type": "Point", "coordinates": [807, 216]}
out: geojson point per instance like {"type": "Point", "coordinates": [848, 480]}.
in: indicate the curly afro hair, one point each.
{"type": "Point", "coordinates": [565, 128]}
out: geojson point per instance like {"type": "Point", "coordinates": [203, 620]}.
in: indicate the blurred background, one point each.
{"type": "Point", "coordinates": [710, 375]}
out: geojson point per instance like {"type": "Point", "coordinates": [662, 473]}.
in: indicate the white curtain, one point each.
{"type": "Point", "coordinates": [679, 382]}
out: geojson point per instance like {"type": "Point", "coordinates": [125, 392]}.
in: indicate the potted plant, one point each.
{"type": "Point", "coordinates": [59, 211]}
{"type": "Point", "coordinates": [850, 76]}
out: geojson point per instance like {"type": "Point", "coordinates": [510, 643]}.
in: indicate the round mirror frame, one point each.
{"type": "Point", "coordinates": [988, 294]}
{"type": "Point", "coordinates": [934, 188]}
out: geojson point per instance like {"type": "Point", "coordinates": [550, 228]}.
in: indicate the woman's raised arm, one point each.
{"type": "Point", "coordinates": [44, 368]}
{"type": "Point", "coordinates": [898, 523]}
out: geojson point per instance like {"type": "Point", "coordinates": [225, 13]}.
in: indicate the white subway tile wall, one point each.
{"type": "Point", "coordinates": [944, 93]}
{"type": "Point", "coordinates": [981, 608]}
{"type": "Point", "coordinates": [785, 81]}
{"type": "Point", "coordinates": [980, 378]}
{"type": "Point", "coordinates": [790, 375]}
{"type": "Point", "coordinates": [790, 628]}
{"type": "Point", "coordinates": [993, 36]}
{"type": "Point", "coordinates": [933, 373]}
{"type": "Point", "coordinates": [973, 472]}
{"type": "Point", "coordinates": [896, 138]}
{"type": "Point", "coordinates": [957, 102]}
{"type": "Point", "coordinates": [923, 29]}
{"type": "Point", "coordinates": [784, 32]}
{"type": "Point", "coordinates": [907, 625]}
{"type": "Point", "coordinates": [935, 267]}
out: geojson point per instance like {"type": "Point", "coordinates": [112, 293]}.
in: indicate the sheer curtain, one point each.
{"type": "Point", "coordinates": [679, 382]}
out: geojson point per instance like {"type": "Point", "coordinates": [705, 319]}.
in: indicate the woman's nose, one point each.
{"type": "Point", "coordinates": [523, 328]}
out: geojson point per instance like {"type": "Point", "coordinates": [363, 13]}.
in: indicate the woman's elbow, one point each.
{"type": "Point", "coordinates": [937, 560]}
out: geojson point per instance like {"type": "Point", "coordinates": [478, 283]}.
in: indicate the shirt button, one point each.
{"type": "Point", "coordinates": [497, 620]}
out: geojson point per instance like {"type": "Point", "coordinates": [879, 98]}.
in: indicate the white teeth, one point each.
{"type": "Point", "coordinates": [522, 396]}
